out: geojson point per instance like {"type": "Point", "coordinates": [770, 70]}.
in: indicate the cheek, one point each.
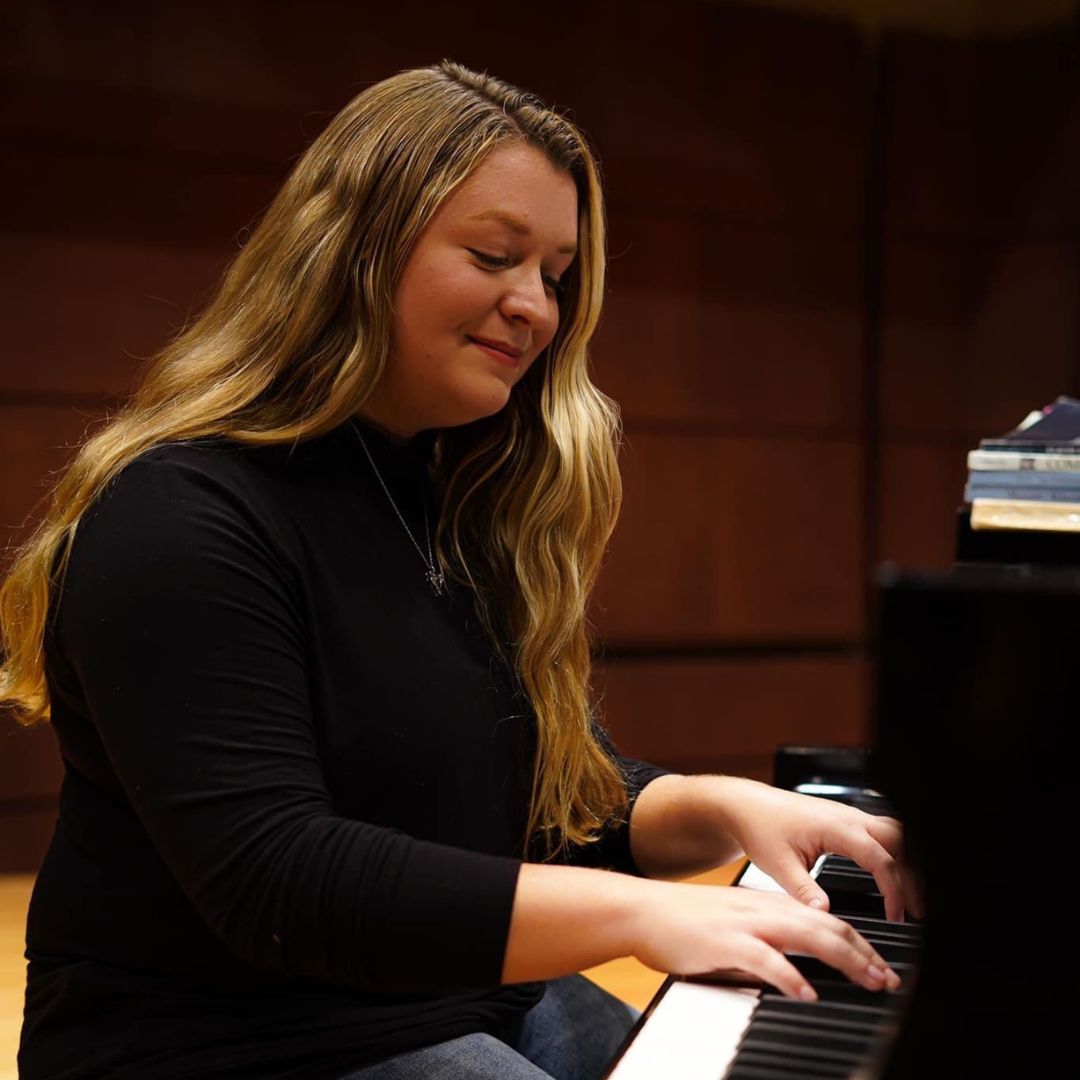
{"type": "Point", "coordinates": [544, 339]}
{"type": "Point", "coordinates": [447, 292]}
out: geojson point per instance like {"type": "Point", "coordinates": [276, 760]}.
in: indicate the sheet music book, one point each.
{"type": "Point", "coordinates": [1055, 427]}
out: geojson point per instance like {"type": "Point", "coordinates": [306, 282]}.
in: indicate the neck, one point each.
{"type": "Point", "coordinates": [399, 438]}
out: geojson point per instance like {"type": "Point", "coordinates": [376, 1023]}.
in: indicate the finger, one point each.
{"type": "Point", "coordinates": [890, 882]}
{"type": "Point", "coordinates": [768, 963]}
{"type": "Point", "coordinates": [839, 946]}
{"type": "Point", "coordinates": [857, 843]}
{"type": "Point", "coordinates": [889, 833]}
{"type": "Point", "coordinates": [849, 937]}
{"type": "Point", "coordinates": [795, 880]}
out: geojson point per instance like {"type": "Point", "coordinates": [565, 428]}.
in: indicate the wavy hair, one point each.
{"type": "Point", "coordinates": [297, 338]}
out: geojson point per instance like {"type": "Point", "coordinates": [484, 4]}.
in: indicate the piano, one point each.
{"type": "Point", "coordinates": [976, 673]}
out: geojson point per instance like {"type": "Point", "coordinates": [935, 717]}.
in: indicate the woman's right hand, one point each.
{"type": "Point", "coordinates": [566, 919]}
{"type": "Point", "coordinates": [701, 929]}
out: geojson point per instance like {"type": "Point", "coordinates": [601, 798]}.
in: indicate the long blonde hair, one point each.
{"type": "Point", "coordinates": [297, 338]}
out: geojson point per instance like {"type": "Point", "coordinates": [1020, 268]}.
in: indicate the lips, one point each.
{"type": "Point", "coordinates": [512, 352]}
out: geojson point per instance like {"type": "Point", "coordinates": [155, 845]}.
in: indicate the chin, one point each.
{"type": "Point", "coordinates": [479, 406]}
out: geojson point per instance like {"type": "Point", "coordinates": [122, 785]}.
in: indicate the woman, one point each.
{"type": "Point", "coordinates": [309, 617]}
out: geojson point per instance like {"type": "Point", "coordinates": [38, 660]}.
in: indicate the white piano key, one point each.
{"type": "Point", "coordinates": [753, 878]}
{"type": "Point", "coordinates": [692, 1033]}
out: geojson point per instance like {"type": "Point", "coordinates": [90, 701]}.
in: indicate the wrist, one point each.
{"type": "Point", "coordinates": [683, 825]}
{"type": "Point", "coordinates": [566, 919]}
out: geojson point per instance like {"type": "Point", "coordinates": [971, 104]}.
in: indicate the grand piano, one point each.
{"type": "Point", "coordinates": [977, 673]}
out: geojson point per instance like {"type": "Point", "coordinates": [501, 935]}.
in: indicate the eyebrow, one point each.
{"type": "Point", "coordinates": [516, 225]}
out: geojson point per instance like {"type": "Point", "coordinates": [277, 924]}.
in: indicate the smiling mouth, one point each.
{"type": "Point", "coordinates": [507, 354]}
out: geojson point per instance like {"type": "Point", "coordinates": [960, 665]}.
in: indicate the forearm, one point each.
{"type": "Point", "coordinates": [678, 825]}
{"type": "Point", "coordinates": [567, 918]}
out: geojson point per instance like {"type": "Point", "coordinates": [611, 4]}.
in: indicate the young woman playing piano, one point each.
{"type": "Point", "coordinates": [309, 618]}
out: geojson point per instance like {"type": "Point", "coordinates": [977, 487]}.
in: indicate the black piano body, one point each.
{"type": "Point", "coordinates": [975, 692]}
{"type": "Point", "coordinates": [977, 679]}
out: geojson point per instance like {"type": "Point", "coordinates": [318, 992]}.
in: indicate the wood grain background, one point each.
{"type": "Point", "coordinates": [836, 262]}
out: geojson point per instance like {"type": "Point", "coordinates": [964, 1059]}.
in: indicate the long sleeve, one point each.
{"type": "Point", "coordinates": [612, 850]}
{"type": "Point", "coordinates": [183, 624]}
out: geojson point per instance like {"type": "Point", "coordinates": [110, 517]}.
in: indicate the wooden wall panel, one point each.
{"type": "Point", "coordinates": [752, 329]}
{"type": "Point", "coordinates": [137, 199]}
{"type": "Point", "coordinates": [30, 767]}
{"type": "Point", "coordinates": [783, 330]}
{"type": "Point", "coordinates": [35, 442]}
{"type": "Point", "coordinates": [984, 137]}
{"type": "Point", "coordinates": [726, 539]}
{"type": "Point", "coordinates": [647, 354]}
{"type": "Point", "coordinates": [24, 838]}
{"type": "Point", "coordinates": [148, 135]}
{"type": "Point", "coordinates": [141, 121]}
{"type": "Point", "coordinates": [86, 313]}
{"type": "Point", "coordinates": [30, 775]}
{"type": "Point", "coordinates": [730, 714]}
{"type": "Point", "coordinates": [922, 485]}
{"type": "Point", "coordinates": [752, 115]}
{"type": "Point", "coordinates": [976, 335]}
{"type": "Point", "coordinates": [256, 67]}
{"type": "Point", "coordinates": [980, 276]}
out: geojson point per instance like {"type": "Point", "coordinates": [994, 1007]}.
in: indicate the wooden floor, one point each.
{"type": "Point", "coordinates": [14, 896]}
{"type": "Point", "coordinates": [627, 979]}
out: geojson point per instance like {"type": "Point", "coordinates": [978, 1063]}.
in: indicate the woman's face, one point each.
{"type": "Point", "coordinates": [478, 299]}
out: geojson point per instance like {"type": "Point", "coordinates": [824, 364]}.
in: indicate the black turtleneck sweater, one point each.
{"type": "Point", "coordinates": [295, 778]}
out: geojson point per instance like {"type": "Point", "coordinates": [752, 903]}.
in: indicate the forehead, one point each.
{"type": "Point", "coordinates": [518, 181]}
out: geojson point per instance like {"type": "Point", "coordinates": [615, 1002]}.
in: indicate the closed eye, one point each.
{"type": "Point", "coordinates": [500, 262]}
{"type": "Point", "coordinates": [495, 262]}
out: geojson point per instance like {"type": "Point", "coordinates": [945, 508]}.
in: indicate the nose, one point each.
{"type": "Point", "coordinates": [526, 298]}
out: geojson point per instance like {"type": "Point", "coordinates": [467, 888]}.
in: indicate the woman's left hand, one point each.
{"type": "Point", "coordinates": [784, 833]}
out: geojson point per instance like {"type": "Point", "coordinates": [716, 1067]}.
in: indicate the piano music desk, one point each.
{"type": "Point", "coordinates": [627, 979]}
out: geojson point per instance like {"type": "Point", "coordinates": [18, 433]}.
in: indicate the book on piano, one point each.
{"type": "Point", "coordinates": [1029, 478]}
{"type": "Point", "coordinates": [1054, 428]}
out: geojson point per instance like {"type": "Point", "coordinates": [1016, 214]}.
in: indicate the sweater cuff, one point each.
{"type": "Point", "coordinates": [454, 906]}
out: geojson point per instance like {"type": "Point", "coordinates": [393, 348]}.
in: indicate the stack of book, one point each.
{"type": "Point", "coordinates": [1030, 477]}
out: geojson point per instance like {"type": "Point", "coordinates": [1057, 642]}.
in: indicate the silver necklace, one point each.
{"type": "Point", "coordinates": [435, 577]}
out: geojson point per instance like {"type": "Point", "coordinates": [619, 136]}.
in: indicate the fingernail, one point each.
{"type": "Point", "coordinates": [817, 902]}
{"type": "Point", "coordinates": [807, 993]}
{"type": "Point", "coordinates": [875, 973]}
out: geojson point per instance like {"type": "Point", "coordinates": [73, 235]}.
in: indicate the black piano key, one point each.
{"type": "Point", "coordinates": [849, 895]}
{"type": "Point", "coordinates": [795, 1055]}
{"type": "Point", "coordinates": [855, 876]}
{"type": "Point", "coordinates": [842, 862]}
{"type": "Point", "coordinates": [784, 1064]}
{"type": "Point", "coordinates": [773, 1072]}
{"type": "Point", "coordinates": [778, 1033]}
{"type": "Point", "coordinates": [834, 1035]}
{"type": "Point", "coordinates": [817, 971]}
{"type": "Point", "coordinates": [785, 1071]}
{"type": "Point", "coordinates": [902, 931]}
{"type": "Point", "coordinates": [895, 952]}
{"type": "Point", "coordinates": [827, 1016]}
{"type": "Point", "coordinates": [763, 1047]}
{"type": "Point", "coordinates": [842, 992]}
{"type": "Point", "coordinates": [757, 1052]}
{"type": "Point", "coordinates": [856, 1013]}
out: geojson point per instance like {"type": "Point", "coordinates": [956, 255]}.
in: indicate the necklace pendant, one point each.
{"type": "Point", "coordinates": [437, 581]}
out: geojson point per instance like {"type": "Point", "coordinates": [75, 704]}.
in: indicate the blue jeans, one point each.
{"type": "Point", "coordinates": [572, 1033]}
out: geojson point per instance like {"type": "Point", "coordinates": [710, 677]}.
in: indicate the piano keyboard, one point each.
{"type": "Point", "coordinates": [701, 1030]}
